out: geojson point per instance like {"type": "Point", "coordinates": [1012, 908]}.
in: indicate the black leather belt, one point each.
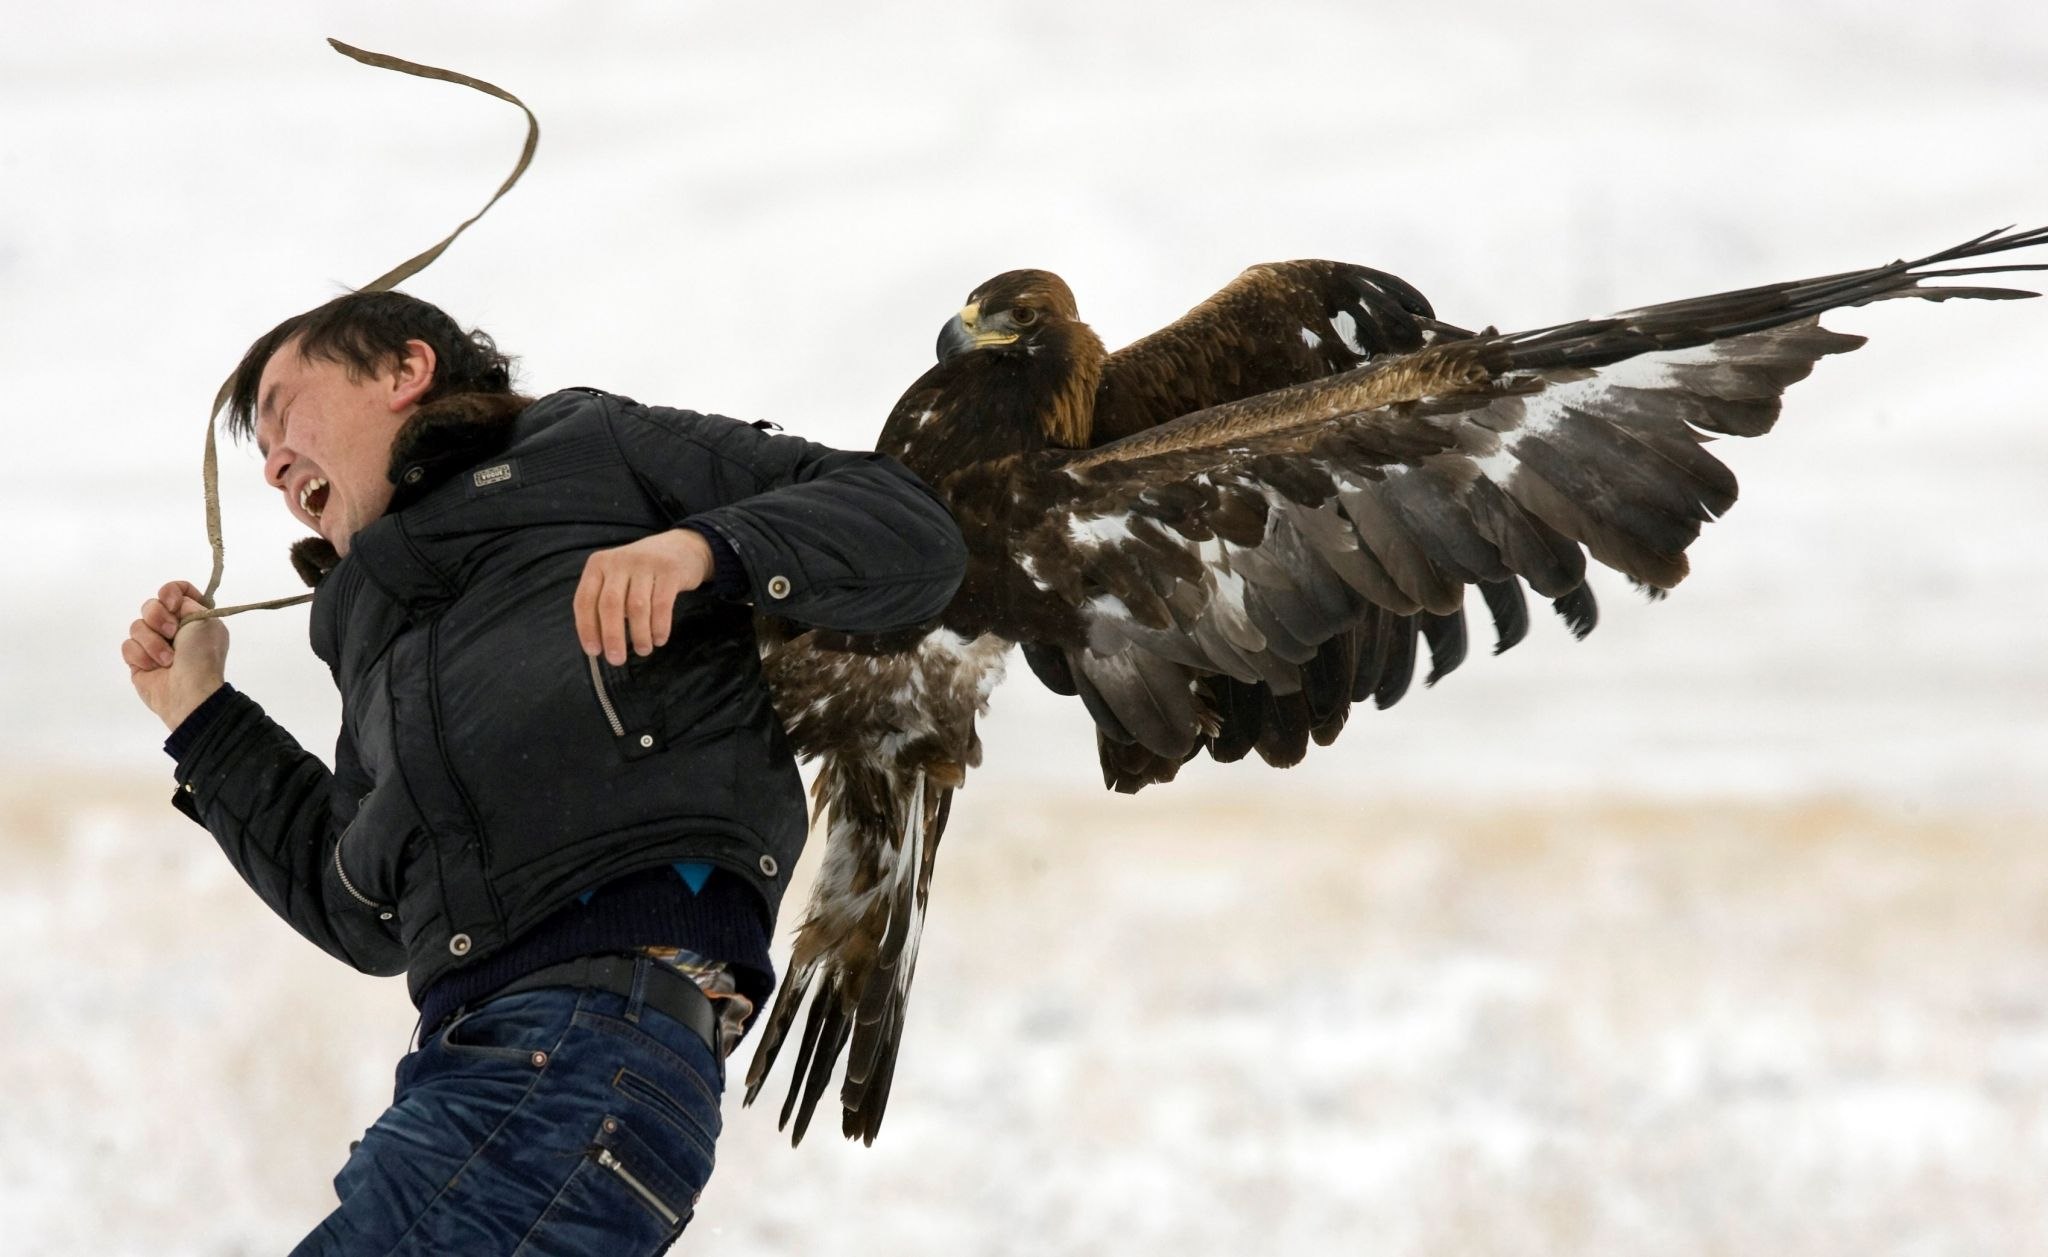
{"type": "Point", "coordinates": [667, 991]}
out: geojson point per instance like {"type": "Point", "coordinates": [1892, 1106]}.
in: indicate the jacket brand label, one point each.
{"type": "Point", "coordinates": [492, 475]}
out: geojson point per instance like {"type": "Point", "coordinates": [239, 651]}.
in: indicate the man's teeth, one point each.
{"type": "Point", "coordinates": [306, 492]}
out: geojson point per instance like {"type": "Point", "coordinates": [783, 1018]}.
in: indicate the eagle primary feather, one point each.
{"type": "Point", "coordinates": [1227, 534]}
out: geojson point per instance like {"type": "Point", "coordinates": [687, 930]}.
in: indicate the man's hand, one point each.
{"type": "Point", "coordinates": [174, 670]}
{"type": "Point", "coordinates": [632, 589]}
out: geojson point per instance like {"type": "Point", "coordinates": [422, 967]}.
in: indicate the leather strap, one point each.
{"type": "Point", "coordinates": [667, 991]}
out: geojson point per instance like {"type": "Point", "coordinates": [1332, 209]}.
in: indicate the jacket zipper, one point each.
{"type": "Point", "coordinates": [604, 700]}
{"type": "Point", "coordinates": [618, 1167]}
{"type": "Point", "coordinates": [350, 886]}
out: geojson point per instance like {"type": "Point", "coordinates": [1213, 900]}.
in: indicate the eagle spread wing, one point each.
{"type": "Point", "coordinates": [1225, 535]}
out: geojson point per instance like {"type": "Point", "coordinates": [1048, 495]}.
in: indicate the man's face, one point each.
{"type": "Point", "coordinates": [326, 438]}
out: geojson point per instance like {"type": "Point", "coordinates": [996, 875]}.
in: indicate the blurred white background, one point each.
{"type": "Point", "coordinates": [1423, 993]}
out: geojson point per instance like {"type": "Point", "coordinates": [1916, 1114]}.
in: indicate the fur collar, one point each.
{"type": "Point", "coordinates": [440, 439]}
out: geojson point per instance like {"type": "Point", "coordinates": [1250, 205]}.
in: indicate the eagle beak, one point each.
{"type": "Point", "coordinates": [954, 339]}
{"type": "Point", "coordinates": [963, 332]}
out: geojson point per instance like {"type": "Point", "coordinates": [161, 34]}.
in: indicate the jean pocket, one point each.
{"type": "Point", "coordinates": [623, 1199]}
{"type": "Point", "coordinates": [668, 1048]}
{"type": "Point", "coordinates": [699, 1125]}
{"type": "Point", "coordinates": [665, 1186]}
{"type": "Point", "coordinates": [522, 1029]}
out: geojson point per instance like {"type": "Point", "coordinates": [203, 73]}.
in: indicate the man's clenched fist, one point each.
{"type": "Point", "coordinates": [174, 670]}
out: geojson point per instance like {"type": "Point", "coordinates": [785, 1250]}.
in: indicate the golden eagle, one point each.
{"type": "Point", "coordinates": [1223, 536]}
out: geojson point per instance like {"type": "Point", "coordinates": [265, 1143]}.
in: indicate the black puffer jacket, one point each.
{"type": "Point", "coordinates": [487, 771]}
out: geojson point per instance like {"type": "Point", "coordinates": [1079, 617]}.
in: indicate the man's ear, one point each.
{"type": "Point", "coordinates": [413, 376]}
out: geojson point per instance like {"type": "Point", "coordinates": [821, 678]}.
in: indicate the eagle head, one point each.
{"type": "Point", "coordinates": [1017, 308]}
{"type": "Point", "coordinates": [1033, 313]}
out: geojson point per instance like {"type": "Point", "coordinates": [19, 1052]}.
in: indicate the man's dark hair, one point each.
{"type": "Point", "coordinates": [364, 331]}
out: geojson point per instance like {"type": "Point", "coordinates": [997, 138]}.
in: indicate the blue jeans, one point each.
{"type": "Point", "coordinates": [555, 1121]}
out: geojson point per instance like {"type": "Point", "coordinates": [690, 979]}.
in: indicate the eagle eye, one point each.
{"type": "Point", "coordinates": [1023, 316]}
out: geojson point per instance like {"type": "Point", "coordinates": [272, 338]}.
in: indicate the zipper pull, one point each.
{"type": "Point", "coordinates": [626, 1176]}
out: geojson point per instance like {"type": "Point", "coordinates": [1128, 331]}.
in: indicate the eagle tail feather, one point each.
{"type": "Point", "coordinates": [856, 951]}
{"type": "Point", "coordinates": [825, 1029]}
{"type": "Point", "coordinates": [775, 1032]}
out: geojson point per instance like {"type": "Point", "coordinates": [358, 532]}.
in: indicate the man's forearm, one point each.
{"type": "Point", "coordinates": [270, 804]}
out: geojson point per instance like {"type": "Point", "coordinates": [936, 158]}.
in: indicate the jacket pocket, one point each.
{"type": "Point", "coordinates": [632, 710]}
{"type": "Point", "coordinates": [365, 895]}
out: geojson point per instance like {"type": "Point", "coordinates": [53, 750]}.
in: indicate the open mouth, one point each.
{"type": "Point", "coordinates": [313, 497]}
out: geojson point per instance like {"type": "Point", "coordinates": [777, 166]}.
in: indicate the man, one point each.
{"type": "Point", "coordinates": [561, 802]}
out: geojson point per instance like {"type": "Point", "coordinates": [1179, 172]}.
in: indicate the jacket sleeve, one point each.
{"type": "Point", "coordinates": [829, 538]}
{"type": "Point", "coordinates": [277, 813]}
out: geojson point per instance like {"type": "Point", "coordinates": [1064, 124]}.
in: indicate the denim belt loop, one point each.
{"type": "Point", "coordinates": [638, 998]}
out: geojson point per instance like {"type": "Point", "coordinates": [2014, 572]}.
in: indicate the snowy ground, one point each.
{"type": "Point", "coordinates": [1582, 1029]}
{"type": "Point", "coordinates": [1729, 940]}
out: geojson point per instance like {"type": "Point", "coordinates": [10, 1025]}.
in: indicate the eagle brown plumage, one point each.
{"type": "Point", "coordinates": [1225, 535]}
